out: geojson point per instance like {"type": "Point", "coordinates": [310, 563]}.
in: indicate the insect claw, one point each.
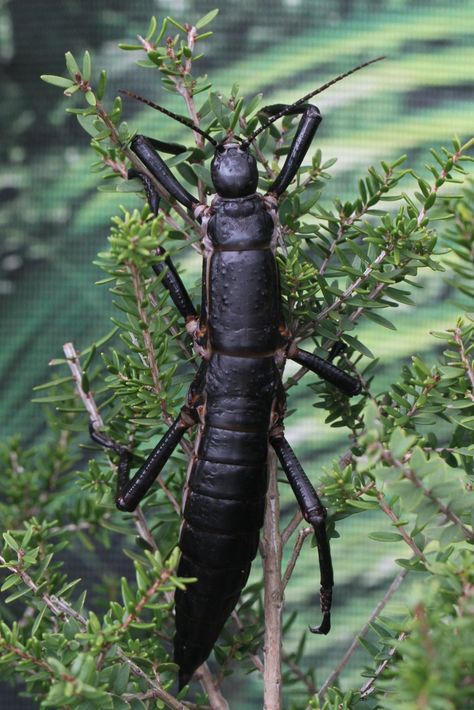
{"type": "Point", "coordinates": [324, 627]}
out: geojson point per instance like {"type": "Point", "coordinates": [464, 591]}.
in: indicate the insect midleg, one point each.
{"type": "Point", "coordinates": [327, 371]}
{"type": "Point", "coordinates": [171, 279]}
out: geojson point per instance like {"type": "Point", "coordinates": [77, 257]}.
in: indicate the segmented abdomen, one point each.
{"type": "Point", "coordinates": [225, 502]}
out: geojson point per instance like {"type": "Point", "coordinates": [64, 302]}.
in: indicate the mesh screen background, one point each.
{"type": "Point", "coordinates": [54, 221]}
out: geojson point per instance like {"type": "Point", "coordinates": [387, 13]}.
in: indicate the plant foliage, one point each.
{"type": "Point", "coordinates": [409, 450]}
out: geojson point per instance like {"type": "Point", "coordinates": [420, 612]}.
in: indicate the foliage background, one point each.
{"type": "Point", "coordinates": [54, 221]}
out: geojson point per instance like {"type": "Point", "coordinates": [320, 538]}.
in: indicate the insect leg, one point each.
{"type": "Point", "coordinates": [131, 492]}
{"type": "Point", "coordinates": [315, 513]}
{"type": "Point", "coordinates": [327, 371]}
{"type": "Point", "coordinates": [307, 127]}
{"type": "Point", "coordinates": [171, 278]}
{"type": "Point", "coordinates": [144, 148]}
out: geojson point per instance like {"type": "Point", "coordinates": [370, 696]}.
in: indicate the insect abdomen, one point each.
{"type": "Point", "coordinates": [225, 501]}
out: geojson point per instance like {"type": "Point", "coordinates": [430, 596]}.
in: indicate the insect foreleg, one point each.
{"type": "Point", "coordinates": [315, 513]}
{"type": "Point", "coordinates": [144, 148]}
{"type": "Point", "coordinates": [307, 127]}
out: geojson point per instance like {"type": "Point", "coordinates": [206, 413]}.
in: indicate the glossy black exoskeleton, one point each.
{"type": "Point", "coordinates": [237, 398]}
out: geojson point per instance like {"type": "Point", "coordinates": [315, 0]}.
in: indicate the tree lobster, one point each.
{"type": "Point", "coordinates": [237, 397]}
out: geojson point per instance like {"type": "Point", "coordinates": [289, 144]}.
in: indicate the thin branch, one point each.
{"type": "Point", "coordinates": [391, 514]}
{"type": "Point", "coordinates": [291, 527]}
{"type": "Point", "coordinates": [302, 535]}
{"type": "Point", "coordinates": [86, 397]}
{"type": "Point", "coordinates": [298, 673]}
{"type": "Point", "coordinates": [445, 509]}
{"type": "Point", "coordinates": [217, 700]}
{"type": "Point", "coordinates": [349, 221]}
{"type": "Point", "coordinates": [369, 687]}
{"type": "Point", "coordinates": [355, 643]}
{"type": "Point", "coordinates": [352, 287]}
{"type": "Point", "coordinates": [273, 599]}
{"type": "Point", "coordinates": [464, 359]}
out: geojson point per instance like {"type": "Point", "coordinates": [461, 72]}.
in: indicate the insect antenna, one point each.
{"type": "Point", "coordinates": [319, 90]}
{"type": "Point", "coordinates": [180, 119]}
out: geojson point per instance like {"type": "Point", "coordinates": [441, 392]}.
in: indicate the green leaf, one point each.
{"type": "Point", "coordinates": [203, 174]}
{"type": "Point", "coordinates": [101, 85]}
{"type": "Point", "coordinates": [400, 442]}
{"type": "Point", "coordinates": [11, 581]}
{"type": "Point", "coordinates": [384, 322]}
{"type": "Point", "coordinates": [151, 29]}
{"type": "Point", "coordinates": [206, 19]}
{"type": "Point", "coordinates": [90, 98]}
{"type": "Point", "coordinates": [252, 104]}
{"type": "Point", "coordinates": [38, 621]}
{"type": "Point", "coordinates": [385, 536]}
{"type": "Point", "coordinates": [57, 80]}
{"type": "Point", "coordinates": [86, 66]}
{"type": "Point", "coordinates": [370, 647]}
{"type": "Point", "coordinates": [72, 65]}
{"type": "Point", "coordinates": [176, 24]}
{"type": "Point", "coordinates": [121, 679]}
{"type": "Point", "coordinates": [363, 504]}
{"type": "Point", "coordinates": [11, 542]}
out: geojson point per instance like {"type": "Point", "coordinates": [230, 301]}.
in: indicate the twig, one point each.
{"type": "Point", "coordinates": [464, 359]}
{"type": "Point", "coordinates": [411, 476]}
{"type": "Point", "coordinates": [273, 600]}
{"type": "Point", "coordinates": [86, 397]}
{"type": "Point", "coordinates": [302, 535]}
{"type": "Point", "coordinates": [291, 527]}
{"type": "Point", "coordinates": [255, 659]}
{"type": "Point", "coordinates": [391, 514]}
{"type": "Point", "coordinates": [296, 670]}
{"type": "Point", "coordinates": [217, 700]}
{"type": "Point", "coordinates": [355, 643]}
{"type": "Point", "coordinates": [369, 687]}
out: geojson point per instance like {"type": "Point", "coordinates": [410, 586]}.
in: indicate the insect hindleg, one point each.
{"type": "Point", "coordinates": [131, 492]}
{"type": "Point", "coordinates": [315, 513]}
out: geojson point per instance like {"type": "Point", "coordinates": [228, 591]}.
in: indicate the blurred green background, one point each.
{"type": "Point", "coordinates": [53, 220]}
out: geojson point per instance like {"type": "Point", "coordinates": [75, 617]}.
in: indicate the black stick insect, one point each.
{"type": "Point", "coordinates": [237, 398]}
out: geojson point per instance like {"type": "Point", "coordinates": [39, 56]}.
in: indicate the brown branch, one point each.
{"type": "Point", "coordinates": [409, 541]}
{"type": "Point", "coordinates": [411, 476]}
{"type": "Point", "coordinates": [302, 535]}
{"type": "Point", "coordinates": [37, 662]}
{"type": "Point", "coordinates": [291, 527]}
{"type": "Point", "coordinates": [355, 643]}
{"type": "Point", "coordinates": [464, 359]}
{"type": "Point", "coordinates": [133, 616]}
{"type": "Point", "coordinates": [217, 700]}
{"type": "Point", "coordinates": [346, 222]}
{"type": "Point", "coordinates": [273, 597]}
{"type": "Point", "coordinates": [368, 688]}
{"type": "Point", "coordinates": [298, 673]}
